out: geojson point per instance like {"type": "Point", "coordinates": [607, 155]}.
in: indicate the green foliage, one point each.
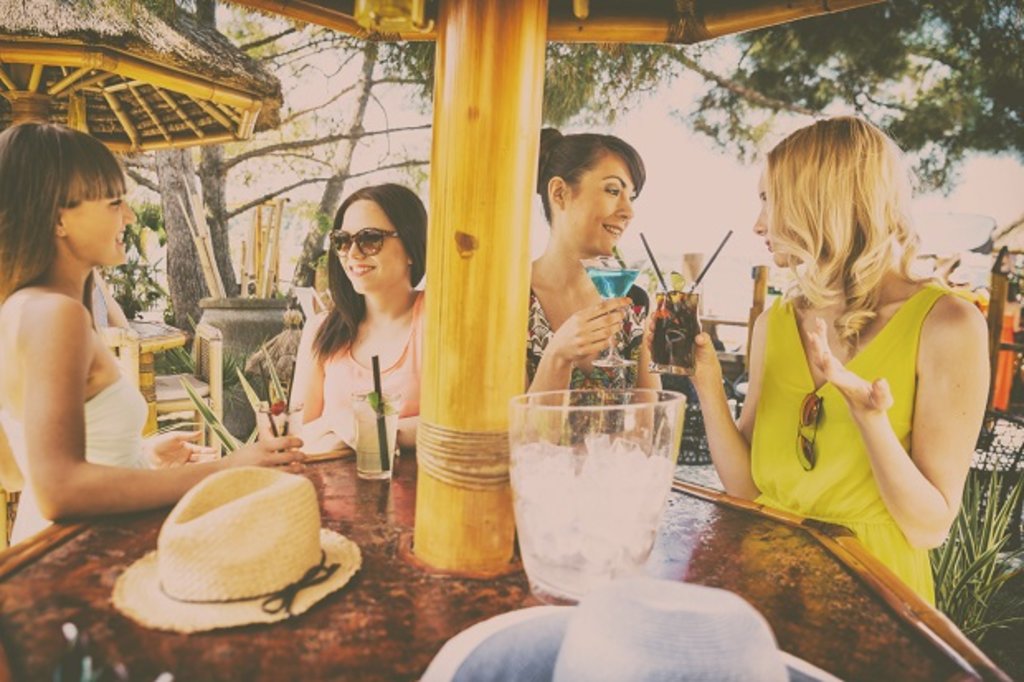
{"type": "Point", "coordinates": [134, 284]}
{"type": "Point", "coordinates": [971, 575]}
{"type": "Point", "coordinates": [944, 77]}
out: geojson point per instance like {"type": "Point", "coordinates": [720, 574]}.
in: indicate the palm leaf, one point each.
{"type": "Point", "coordinates": [218, 428]}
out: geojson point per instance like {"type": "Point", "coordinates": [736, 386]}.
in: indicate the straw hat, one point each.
{"type": "Point", "coordinates": [243, 546]}
{"type": "Point", "coordinates": [637, 629]}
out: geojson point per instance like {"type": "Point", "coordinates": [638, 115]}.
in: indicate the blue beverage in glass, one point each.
{"type": "Point", "coordinates": [612, 283]}
{"type": "Point", "coordinates": [612, 279]}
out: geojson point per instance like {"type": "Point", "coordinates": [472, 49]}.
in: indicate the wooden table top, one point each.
{"type": "Point", "coordinates": [391, 619]}
{"type": "Point", "coordinates": [157, 336]}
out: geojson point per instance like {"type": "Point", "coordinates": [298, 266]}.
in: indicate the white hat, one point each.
{"type": "Point", "coordinates": [637, 629]}
{"type": "Point", "coordinates": [243, 546]}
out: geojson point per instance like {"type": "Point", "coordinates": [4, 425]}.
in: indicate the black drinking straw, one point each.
{"type": "Point", "coordinates": [382, 429]}
{"type": "Point", "coordinates": [710, 261]}
{"type": "Point", "coordinates": [657, 270]}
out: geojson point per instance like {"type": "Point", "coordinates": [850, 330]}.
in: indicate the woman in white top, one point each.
{"type": "Point", "coordinates": [74, 422]}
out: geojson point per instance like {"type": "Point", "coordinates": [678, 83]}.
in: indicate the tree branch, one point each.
{"type": "Point", "coordinates": [313, 142]}
{"type": "Point", "coordinates": [392, 166]}
{"type": "Point", "coordinates": [142, 180]}
{"type": "Point", "coordinates": [752, 96]}
{"type": "Point", "coordinates": [270, 195]}
{"type": "Point", "coordinates": [269, 39]}
{"type": "Point", "coordinates": [302, 112]}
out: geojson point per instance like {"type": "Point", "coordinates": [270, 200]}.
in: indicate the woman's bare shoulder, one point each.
{"type": "Point", "coordinates": [953, 325]}
{"type": "Point", "coordinates": [35, 314]}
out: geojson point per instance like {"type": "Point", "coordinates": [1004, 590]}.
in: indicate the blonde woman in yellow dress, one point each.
{"type": "Point", "coordinates": [868, 385]}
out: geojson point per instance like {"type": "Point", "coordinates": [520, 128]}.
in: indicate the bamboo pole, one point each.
{"type": "Point", "coordinates": [488, 93]}
{"type": "Point", "coordinates": [760, 276]}
{"type": "Point", "coordinates": [6, 80]}
{"type": "Point", "coordinates": [122, 117]}
{"type": "Point", "coordinates": [181, 114]}
{"type": "Point", "coordinates": [149, 112]}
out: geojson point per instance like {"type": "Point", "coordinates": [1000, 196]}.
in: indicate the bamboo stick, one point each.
{"type": "Point", "coordinates": [6, 80]}
{"type": "Point", "coordinates": [129, 128]}
{"type": "Point", "coordinates": [215, 113]}
{"type": "Point", "coordinates": [67, 80]}
{"type": "Point", "coordinates": [149, 111]}
{"type": "Point", "coordinates": [176, 143]}
{"type": "Point", "coordinates": [78, 113]}
{"type": "Point", "coordinates": [37, 75]}
{"type": "Point", "coordinates": [243, 275]}
{"type": "Point", "coordinates": [489, 88]}
{"type": "Point", "coordinates": [181, 113]}
{"type": "Point", "coordinates": [88, 83]}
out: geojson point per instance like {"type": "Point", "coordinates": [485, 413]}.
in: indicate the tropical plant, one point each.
{"type": "Point", "coordinates": [971, 569]}
{"type": "Point", "coordinates": [134, 284]}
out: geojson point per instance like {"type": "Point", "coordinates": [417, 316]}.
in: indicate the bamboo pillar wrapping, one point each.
{"type": "Point", "coordinates": [488, 94]}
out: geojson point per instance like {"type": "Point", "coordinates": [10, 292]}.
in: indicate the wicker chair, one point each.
{"type": "Point", "coordinates": [208, 379]}
{"type": "Point", "coordinates": [170, 395]}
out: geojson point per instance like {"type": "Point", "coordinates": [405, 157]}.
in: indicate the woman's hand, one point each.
{"type": "Point", "coordinates": [175, 448]}
{"type": "Point", "coordinates": [267, 453]}
{"type": "Point", "coordinates": [588, 332]}
{"type": "Point", "coordinates": [707, 371]}
{"type": "Point", "coordinates": [862, 396]}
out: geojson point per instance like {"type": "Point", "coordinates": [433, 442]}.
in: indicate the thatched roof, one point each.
{"type": "Point", "coordinates": [143, 81]}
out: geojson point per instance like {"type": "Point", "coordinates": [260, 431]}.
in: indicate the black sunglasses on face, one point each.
{"type": "Point", "coordinates": [810, 414]}
{"type": "Point", "coordinates": [369, 240]}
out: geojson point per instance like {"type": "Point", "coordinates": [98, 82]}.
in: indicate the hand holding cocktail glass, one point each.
{"type": "Point", "coordinates": [612, 278]}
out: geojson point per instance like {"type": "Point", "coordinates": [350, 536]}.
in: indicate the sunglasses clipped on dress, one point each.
{"type": "Point", "coordinates": [811, 411]}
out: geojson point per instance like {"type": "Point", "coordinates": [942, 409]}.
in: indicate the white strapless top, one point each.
{"type": "Point", "coordinates": [114, 419]}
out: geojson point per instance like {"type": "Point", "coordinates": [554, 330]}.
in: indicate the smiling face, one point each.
{"type": "Point", "coordinates": [93, 231]}
{"type": "Point", "coordinates": [384, 271]}
{"type": "Point", "coordinates": [597, 211]}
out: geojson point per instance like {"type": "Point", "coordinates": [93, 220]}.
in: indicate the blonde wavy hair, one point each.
{"type": "Point", "coordinates": [839, 194]}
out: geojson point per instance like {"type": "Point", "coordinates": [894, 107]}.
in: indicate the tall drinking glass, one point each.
{"type": "Point", "coordinates": [612, 279]}
{"type": "Point", "coordinates": [590, 473]}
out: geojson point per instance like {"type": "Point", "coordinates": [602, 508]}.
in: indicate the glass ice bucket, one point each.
{"type": "Point", "coordinates": [590, 470]}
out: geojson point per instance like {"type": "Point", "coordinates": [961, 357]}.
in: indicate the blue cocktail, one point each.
{"type": "Point", "coordinates": [612, 279]}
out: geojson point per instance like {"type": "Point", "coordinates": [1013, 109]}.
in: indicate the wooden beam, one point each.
{"type": "Point", "coordinates": [488, 93]}
{"type": "Point", "coordinates": [181, 113]}
{"type": "Point", "coordinates": [149, 111]}
{"type": "Point", "coordinates": [215, 113]}
{"type": "Point", "coordinates": [605, 21]}
{"type": "Point", "coordinates": [129, 127]}
{"type": "Point", "coordinates": [6, 80]}
{"type": "Point", "coordinates": [33, 80]}
{"type": "Point", "coordinates": [67, 80]}
{"type": "Point", "coordinates": [88, 83]}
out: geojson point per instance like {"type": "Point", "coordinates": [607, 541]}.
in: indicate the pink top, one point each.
{"type": "Point", "coordinates": [343, 376]}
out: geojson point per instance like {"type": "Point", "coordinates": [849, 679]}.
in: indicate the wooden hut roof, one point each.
{"type": "Point", "coordinates": [138, 80]}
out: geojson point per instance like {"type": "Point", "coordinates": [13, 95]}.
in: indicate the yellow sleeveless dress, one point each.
{"type": "Point", "coordinates": [841, 488]}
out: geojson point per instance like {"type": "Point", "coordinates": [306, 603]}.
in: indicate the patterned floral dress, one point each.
{"type": "Point", "coordinates": [629, 342]}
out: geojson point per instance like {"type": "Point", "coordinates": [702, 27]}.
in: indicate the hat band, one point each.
{"type": "Point", "coordinates": [279, 600]}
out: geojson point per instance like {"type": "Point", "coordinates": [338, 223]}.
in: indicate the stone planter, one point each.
{"type": "Point", "coordinates": [246, 324]}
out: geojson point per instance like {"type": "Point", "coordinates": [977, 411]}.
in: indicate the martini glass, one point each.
{"type": "Point", "coordinates": [612, 279]}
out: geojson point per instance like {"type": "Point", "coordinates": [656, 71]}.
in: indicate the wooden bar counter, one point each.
{"type": "Point", "coordinates": [809, 580]}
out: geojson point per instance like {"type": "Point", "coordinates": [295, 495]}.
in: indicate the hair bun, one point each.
{"type": "Point", "coordinates": [549, 139]}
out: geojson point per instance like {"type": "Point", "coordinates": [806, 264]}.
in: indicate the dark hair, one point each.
{"type": "Point", "coordinates": [45, 168]}
{"type": "Point", "coordinates": [406, 212]}
{"type": "Point", "coordinates": [570, 156]}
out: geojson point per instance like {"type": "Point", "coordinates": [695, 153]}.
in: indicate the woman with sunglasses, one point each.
{"type": "Point", "coordinates": [74, 421]}
{"type": "Point", "coordinates": [378, 255]}
{"type": "Point", "coordinates": [868, 385]}
{"type": "Point", "coordinates": [587, 184]}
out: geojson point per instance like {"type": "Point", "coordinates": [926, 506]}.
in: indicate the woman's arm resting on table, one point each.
{"type": "Point", "coordinates": [922, 489]}
{"type": "Point", "coordinates": [62, 348]}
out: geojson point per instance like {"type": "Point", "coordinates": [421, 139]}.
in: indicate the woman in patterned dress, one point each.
{"type": "Point", "coordinates": [587, 184]}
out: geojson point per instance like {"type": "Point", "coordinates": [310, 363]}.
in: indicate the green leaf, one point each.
{"type": "Point", "coordinates": [250, 392]}
{"type": "Point", "coordinates": [218, 428]}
